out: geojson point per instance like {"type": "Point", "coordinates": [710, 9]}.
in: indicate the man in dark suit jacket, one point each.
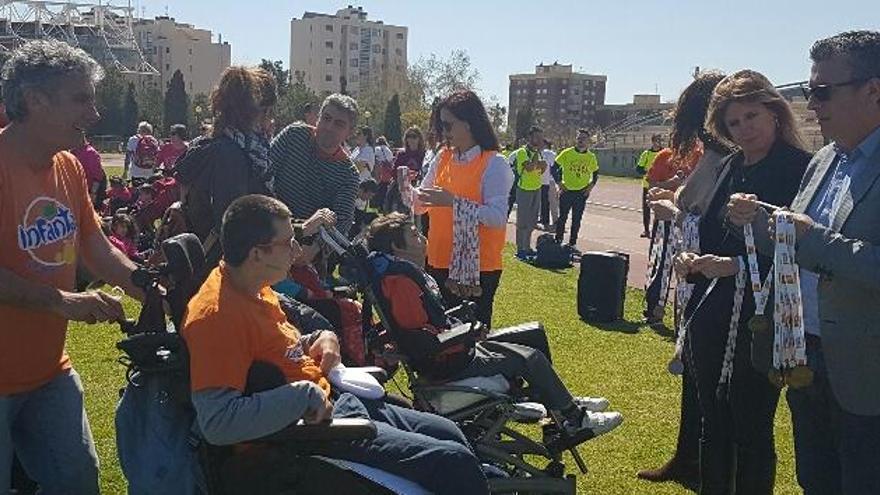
{"type": "Point", "coordinates": [837, 216]}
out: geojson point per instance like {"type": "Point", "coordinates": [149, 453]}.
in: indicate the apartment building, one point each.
{"type": "Point", "coordinates": [346, 52]}
{"type": "Point", "coordinates": [560, 98]}
{"type": "Point", "coordinates": [170, 46]}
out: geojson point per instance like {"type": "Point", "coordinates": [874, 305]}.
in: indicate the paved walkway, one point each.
{"type": "Point", "coordinates": [612, 222]}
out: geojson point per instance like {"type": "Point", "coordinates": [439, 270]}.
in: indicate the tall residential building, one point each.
{"type": "Point", "coordinates": [346, 52]}
{"type": "Point", "coordinates": [170, 46]}
{"type": "Point", "coordinates": [561, 100]}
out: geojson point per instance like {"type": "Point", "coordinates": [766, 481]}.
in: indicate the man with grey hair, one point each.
{"type": "Point", "coordinates": [312, 170]}
{"type": "Point", "coordinates": [47, 225]}
{"type": "Point", "coordinates": [144, 128]}
{"type": "Point", "coordinates": [836, 418]}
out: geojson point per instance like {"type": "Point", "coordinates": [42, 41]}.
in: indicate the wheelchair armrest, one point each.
{"type": "Point", "coordinates": [339, 429]}
{"type": "Point", "coordinates": [376, 372]}
{"type": "Point", "coordinates": [456, 335]}
{"type": "Point", "coordinates": [464, 311]}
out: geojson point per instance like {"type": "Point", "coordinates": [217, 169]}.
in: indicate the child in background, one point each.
{"type": "Point", "coordinates": [123, 235]}
{"type": "Point", "coordinates": [118, 196]}
{"type": "Point", "coordinates": [364, 211]}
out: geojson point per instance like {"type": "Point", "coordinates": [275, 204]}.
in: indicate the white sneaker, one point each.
{"type": "Point", "coordinates": [597, 422]}
{"type": "Point", "coordinates": [595, 404]}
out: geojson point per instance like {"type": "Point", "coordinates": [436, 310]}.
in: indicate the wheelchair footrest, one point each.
{"type": "Point", "coordinates": [529, 412]}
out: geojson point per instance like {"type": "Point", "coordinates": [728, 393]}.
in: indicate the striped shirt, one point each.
{"type": "Point", "coordinates": [307, 182]}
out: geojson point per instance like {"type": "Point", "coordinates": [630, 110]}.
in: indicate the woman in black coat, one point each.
{"type": "Point", "coordinates": [737, 446]}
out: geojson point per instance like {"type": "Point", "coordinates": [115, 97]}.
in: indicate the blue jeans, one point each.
{"type": "Point", "coordinates": [835, 451]}
{"type": "Point", "coordinates": [421, 447]}
{"type": "Point", "coordinates": [48, 430]}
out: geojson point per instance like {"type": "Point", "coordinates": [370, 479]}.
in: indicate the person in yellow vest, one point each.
{"type": "Point", "coordinates": [646, 159]}
{"type": "Point", "coordinates": [470, 168]}
{"type": "Point", "coordinates": [529, 164]}
{"type": "Point", "coordinates": [576, 171]}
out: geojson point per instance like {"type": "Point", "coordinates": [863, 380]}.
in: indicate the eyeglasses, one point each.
{"type": "Point", "coordinates": [290, 243]}
{"type": "Point", "coordinates": [822, 92]}
{"type": "Point", "coordinates": [447, 126]}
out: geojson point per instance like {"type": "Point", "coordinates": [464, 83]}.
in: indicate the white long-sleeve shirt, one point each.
{"type": "Point", "coordinates": [495, 188]}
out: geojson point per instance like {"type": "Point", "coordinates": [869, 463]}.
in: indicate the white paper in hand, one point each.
{"type": "Point", "coordinates": [356, 382]}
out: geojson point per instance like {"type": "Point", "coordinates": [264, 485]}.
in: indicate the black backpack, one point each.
{"type": "Point", "coordinates": [552, 254]}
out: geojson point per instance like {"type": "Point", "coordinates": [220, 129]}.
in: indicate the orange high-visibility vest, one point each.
{"type": "Point", "coordinates": [463, 181]}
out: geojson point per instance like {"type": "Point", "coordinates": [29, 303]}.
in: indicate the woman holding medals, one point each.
{"type": "Point", "coordinates": [737, 400]}
{"type": "Point", "coordinates": [683, 208]}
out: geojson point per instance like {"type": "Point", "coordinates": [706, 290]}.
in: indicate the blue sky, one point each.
{"type": "Point", "coordinates": [641, 45]}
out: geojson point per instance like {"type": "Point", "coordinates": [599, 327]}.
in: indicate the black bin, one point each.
{"type": "Point", "coordinates": [602, 286]}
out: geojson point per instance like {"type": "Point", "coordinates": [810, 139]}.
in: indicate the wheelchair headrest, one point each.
{"type": "Point", "coordinates": [185, 256]}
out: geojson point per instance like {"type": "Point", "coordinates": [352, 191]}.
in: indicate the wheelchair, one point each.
{"type": "Point", "coordinates": [156, 403]}
{"type": "Point", "coordinates": [487, 409]}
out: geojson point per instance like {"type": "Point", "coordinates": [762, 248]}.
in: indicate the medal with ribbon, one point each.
{"type": "Point", "coordinates": [687, 241]}
{"type": "Point", "coordinates": [789, 342]}
{"type": "Point", "coordinates": [761, 292]}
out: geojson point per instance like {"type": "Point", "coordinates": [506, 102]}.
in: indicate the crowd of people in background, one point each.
{"type": "Point", "coordinates": [734, 152]}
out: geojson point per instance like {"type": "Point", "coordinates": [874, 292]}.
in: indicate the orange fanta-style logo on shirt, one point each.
{"type": "Point", "coordinates": [47, 232]}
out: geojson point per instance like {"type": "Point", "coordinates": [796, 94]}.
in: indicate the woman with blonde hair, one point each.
{"type": "Point", "coordinates": [737, 401]}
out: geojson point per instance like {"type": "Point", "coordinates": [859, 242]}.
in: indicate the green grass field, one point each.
{"type": "Point", "coordinates": [625, 362]}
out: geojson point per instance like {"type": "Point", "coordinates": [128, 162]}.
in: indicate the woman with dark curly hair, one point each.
{"type": "Point", "coordinates": [464, 193]}
{"type": "Point", "coordinates": [689, 138]}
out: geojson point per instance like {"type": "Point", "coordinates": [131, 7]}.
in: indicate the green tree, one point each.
{"type": "Point", "coordinates": [291, 104]}
{"type": "Point", "coordinates": [282, 77]}
{"type": "Point", "coordinates": [524, 119]}
{"type": "Point", "coordinates": [392, 121]}
{"type": "Point", "coordinates": [199, 110]}
{"type": "Point", "coordinates": [150, 106]}
{"type": "Point", "coordinates": [437, 77]}
{"type": "Point", "coordinates": [108, 100]}
{"type": "Point", "coordinates": [176, 102]}
{"type": "Point", "coordinates": [129, 118]}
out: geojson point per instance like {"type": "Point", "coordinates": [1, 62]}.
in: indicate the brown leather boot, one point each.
{"type": "Point", "coordinates": [681, 472]}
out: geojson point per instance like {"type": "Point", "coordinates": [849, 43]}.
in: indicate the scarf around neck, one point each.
{"type": "Point", "coordinates": [256, 147]}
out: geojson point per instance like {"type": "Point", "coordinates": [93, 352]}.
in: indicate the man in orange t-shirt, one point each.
{"type": "Point", "coordinates": [47, 225]}
{"type": "Point", "coordinates": [235, 321]}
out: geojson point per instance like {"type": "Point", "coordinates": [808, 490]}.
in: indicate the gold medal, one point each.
{"type": "Point", "coordinates": [799, 377]}
{"type": "Point", "coordinates": [776, 378]}
{"type": "Point", "coordinates": [759, 324]}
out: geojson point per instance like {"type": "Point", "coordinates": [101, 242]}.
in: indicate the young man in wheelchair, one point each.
{"type": "Point", "coordinates": [235, 321]}
{"type": "Point", "coordinates": [416, 309]}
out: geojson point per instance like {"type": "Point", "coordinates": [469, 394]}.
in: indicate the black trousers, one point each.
{"type": "Point", "coordinates": [574, 202]}
{"type": "Point", "coordinates": [737, 447]}
{"type": "Point", "coordinates": [646, 210]}
{"type": "Point", "coordinates": [488, 282]}
{"type": "Point", "coordinates": [545, 205]}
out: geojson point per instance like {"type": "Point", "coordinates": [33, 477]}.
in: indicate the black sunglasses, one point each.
{"type": "Point", "coordinates": [447, 126]}
{"type": "Point", "coordinates": [822, 92]}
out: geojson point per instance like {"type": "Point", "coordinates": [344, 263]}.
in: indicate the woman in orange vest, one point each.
{"type": "Point", "coordinates": [466, 186]}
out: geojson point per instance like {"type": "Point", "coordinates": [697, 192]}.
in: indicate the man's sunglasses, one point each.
{"type": "Point", "coordinates": [823, 92]}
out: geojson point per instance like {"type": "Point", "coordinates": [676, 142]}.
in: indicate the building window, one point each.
{"type": "Point", "coordinates": [400, 36]}
{"type": "Point", "coordinates": [562, 90]}
{"type": "Point", "coordinates": [398, 51]}
{"type": "Point", "coordinates": [328, 61]}
{"type": "Point", "coordinates": [190, 51]}
{"type": "Point", "coordinates": [353, 62]}
{"type": "Point", "coordinates": [167, 49]}
{"type": "Point", "coordinates": [328, 78]}
{"type": "Point", "coordinates": [167, 67]}
{"type": "Point", "coordinates": [190, 68]}
{"type": "Point", "coordinates": [354, 29]}
{"type": "Point", "coordinates": [352, 46]}
{"type": "Point", "coordinates": [328, 44]}
{"type": "Point", "coordinates": [328, 27]}
{"type": "Point", "coordinates": [377, 49]}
